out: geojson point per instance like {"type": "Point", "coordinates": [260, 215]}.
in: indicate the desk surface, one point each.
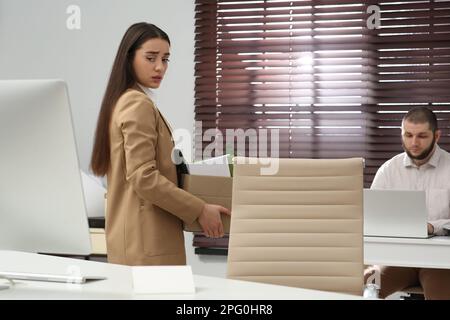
{"type": "Point", "coordinates": [408, 252]}
{"type": "Point", "coordinates": [119, 283]}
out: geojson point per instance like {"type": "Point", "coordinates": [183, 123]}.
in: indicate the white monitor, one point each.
{"type": "Point", "coordinates": [42, 207]}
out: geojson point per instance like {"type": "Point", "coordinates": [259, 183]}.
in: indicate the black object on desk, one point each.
{"type": "Point", "coordinates": [98, 222]}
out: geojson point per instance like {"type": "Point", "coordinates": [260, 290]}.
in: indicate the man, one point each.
{"type": "Point", "coordinates": [423, 166]}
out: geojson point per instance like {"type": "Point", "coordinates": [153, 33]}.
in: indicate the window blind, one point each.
{"type": "Point", "coordinates": [332, 85]}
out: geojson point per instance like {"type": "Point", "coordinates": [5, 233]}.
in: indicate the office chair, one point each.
{"type": "Point", "coordinates": [301, 227]}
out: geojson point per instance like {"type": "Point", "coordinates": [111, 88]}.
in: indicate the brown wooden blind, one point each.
{"type": "Point", "coordinates": [313, 70]}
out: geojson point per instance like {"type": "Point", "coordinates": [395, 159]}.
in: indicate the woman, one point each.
{"type": "Point", "coordinates": [132, 147]}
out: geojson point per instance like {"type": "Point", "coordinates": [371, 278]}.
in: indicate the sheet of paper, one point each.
{"type": "Point", "coordinates": [163, 280]}
{"type": "Point", "coordinates": [217, 167]}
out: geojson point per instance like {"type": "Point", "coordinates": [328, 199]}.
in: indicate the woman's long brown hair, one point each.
{"type": "Point", "coordinates": [122, 78]}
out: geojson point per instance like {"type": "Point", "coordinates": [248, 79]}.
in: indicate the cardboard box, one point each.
{"type": "Point", "coordinates": [213, 190]}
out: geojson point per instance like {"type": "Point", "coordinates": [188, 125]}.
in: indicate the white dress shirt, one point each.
{"type": "Point", "coordinates": [400, 173]}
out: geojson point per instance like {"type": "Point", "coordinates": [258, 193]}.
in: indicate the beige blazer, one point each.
{"type": "Point", "coordinates": [145, 208]}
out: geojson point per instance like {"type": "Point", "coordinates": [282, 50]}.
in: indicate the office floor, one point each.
{"type": "Point", "coordinates": [396, 296]}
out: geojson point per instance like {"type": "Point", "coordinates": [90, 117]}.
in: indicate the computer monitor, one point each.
{"type": "Point", "coordinates": [42, 207]}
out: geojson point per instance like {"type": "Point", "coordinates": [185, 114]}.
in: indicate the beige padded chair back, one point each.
{"type": "Point", "coordinates": [302, 227]}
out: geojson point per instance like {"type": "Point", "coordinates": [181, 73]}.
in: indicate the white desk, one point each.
{"type": "Point", "coordinates": [119, 285]}
{"type": "Point", "coordinates": [401, 252]}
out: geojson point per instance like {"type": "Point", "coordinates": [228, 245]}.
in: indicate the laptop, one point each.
{"type": "Point", "coordinates": [395, 213]}
{"type": "Point", "coordinates": [77, 279]}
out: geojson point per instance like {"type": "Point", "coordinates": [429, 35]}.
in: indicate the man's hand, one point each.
{"type": "Point", "coordinates": [430, 228]}
{"type": "Point", "coordinates": [210, 220]}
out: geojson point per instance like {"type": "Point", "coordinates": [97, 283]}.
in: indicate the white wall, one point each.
{"type": "Point", "coordinates": [35, 43]}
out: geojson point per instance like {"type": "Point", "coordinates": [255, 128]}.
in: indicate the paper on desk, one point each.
{"type": "Point", "coordinates": [163, 279]}
{"type": "Point", "coordinates": [217, 166]}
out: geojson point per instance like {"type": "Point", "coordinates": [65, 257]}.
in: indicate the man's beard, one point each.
{"type": "Point", "coordinates": [425, 153]}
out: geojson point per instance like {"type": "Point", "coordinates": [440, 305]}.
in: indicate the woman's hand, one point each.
{"type": "Point", "coordinates": [210, 220]}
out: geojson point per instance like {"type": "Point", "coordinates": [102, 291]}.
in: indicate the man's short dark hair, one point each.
{"type": "Point", "coordinates": [422, 115]}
